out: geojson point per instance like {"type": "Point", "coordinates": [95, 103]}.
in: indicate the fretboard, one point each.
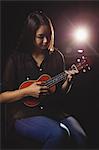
{"type": "Point", "coordinates": [56, 79]}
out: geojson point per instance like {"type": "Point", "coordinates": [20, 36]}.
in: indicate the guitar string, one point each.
{"type": "Point", "coordinates": [51, 84]}
{"type": "Point", "coordinates": [58, 78]}
{"type": "Point", "coordinates": [50, 81]}
{"type": "Point", "coordinates": [55, 79]}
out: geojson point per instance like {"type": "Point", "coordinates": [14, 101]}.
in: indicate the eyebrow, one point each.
{"type": "Point", "coordinates": [40, 34]}
{"type": "Point", "coordinates": [43, 34]}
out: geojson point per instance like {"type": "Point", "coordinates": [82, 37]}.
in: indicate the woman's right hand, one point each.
{"type": "Point", "coordinates": [36, 89]}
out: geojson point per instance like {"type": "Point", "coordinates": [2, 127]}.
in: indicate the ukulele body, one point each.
{"type": "Point", "coordinates": [32, 101]}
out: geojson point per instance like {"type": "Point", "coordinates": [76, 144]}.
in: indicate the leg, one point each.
{"type": "Point", "coordinates": [76, 132]}
{"type": "Point", "coordinates": [44, 130]}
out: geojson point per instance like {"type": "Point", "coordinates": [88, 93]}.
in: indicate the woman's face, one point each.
{"type": "Point", "coordinates": [42, 37]}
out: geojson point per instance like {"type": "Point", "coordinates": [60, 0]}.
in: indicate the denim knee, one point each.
{"type": "Point", "coordinates": [76, 132]}
{"type": "Point", "coordinates": [58, 138]}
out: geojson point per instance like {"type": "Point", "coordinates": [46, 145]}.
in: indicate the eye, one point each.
{"type": "Point", "coordinates": [40, 36]}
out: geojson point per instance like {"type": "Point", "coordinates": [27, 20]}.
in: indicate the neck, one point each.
{"type": "Point", "coordinates": [39, 52]}
{"type": "Point", "coordinates": [38, 57]}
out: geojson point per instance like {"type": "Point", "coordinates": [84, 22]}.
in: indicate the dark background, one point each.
{"type": "Point", "coordinates": [83, 100]}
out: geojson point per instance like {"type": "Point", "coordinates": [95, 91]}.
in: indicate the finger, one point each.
{"type": "Point", "coordinates": [38, 82]}
{"type": "Point", "coordinates": [44, 88]}
{"type": "Point", "coordinates": [71, 72]}
{"type": "Point", "coordinates": [66, 72]}
{"type": "Point", "coordinates": [44, 91]}
{"type": "Point", "coordinates": [69, 78]}
{"type": "Point", "coordinates": [35, 95]}
{"type": "Point", "coordinates": [74, 67]}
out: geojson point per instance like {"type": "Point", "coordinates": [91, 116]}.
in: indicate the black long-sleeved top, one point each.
{"type": "Point", "coordinates": [20, 67]}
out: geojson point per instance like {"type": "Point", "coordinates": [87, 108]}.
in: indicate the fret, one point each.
{"type": "Point", "coordinates": [56, 79]}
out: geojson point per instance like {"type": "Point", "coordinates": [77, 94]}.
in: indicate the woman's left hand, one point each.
{"type": "Point", "coordinates": [71, 72]}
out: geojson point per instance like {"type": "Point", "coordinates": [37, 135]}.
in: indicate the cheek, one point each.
{"type": "Point", "coordinates": [38, 42]}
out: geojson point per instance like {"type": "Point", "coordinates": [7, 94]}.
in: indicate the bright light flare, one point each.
{"type": "Point", "coordinates": [81, 34]}
{"type": "Point", "coordinates": [80, 50]}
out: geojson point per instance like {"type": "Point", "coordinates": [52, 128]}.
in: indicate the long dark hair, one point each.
{"type": "Point", "coordinates": [32, 23]}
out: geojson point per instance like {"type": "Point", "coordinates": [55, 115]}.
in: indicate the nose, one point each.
{"type": "Point", "coordinates": [45, 40]}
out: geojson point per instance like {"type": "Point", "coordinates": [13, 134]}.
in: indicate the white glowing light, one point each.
{"type": "Point", "coordinates": [81, 34]}
{"type": "Point", "coordinates": [80, 50]}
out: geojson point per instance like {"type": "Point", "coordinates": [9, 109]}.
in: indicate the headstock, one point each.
{"type": "Point", "coordinates": [81, 64]}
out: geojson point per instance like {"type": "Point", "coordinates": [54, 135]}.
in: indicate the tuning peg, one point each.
{"type": "Point", "coordinates": [78, 60]}
{"type": "Point", "coordinates": [84, 70]}
{"type": "Point", "coordinates": [89, 68]}
{"type": "Point", "coordinates": [83, 57]}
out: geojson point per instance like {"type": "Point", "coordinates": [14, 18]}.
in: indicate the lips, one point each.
{"type": "Point", "coordinates": [44, 46]}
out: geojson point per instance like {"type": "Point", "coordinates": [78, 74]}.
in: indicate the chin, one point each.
{"type": "Point", "coordinates": [44, 47]}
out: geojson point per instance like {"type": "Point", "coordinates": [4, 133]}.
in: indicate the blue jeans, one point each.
{"type": "Point", "coordinates": [50, 133]}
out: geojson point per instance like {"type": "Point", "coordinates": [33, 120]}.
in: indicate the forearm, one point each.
{"type": "Point", "coordinates": [11, 96]}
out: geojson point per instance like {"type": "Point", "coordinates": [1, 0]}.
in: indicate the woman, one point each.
{"type": "Point", "coordinates": [41, 118]}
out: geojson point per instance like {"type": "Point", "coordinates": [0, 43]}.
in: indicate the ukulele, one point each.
{"type": "Point", "coordinates": [51, 82]}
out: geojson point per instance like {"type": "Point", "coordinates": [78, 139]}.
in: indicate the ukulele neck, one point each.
{"type": "Point", "coordinates": [56, 79]}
